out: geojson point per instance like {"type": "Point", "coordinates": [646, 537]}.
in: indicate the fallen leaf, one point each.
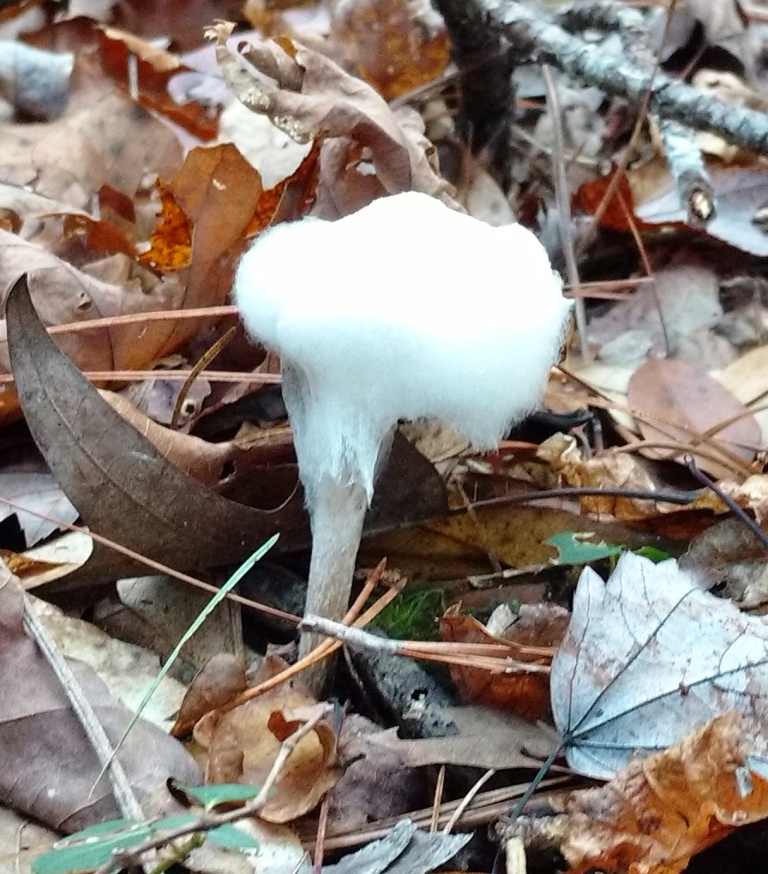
{"type": "Point", "coordinates": [107, 141]}
{"type": "Point", "coordinates": [522, 692]}
{"type": "Point", "coordinates": [657, 813]}
{"type": "Point", "coordinates": [200, 459]}
{"type": "Point", "coordinates": [311, 98]}
{"type": "Point", "coordinates": [242, 744]}
{"type": "Point", "coordinates": [49, 767]}
{"type": "Point", "coordinates": [397, 46]}
{"type": "Point", "coordinates": [485, 738]}
{"type": "Point", "coordinates": [679, 403]}
{"type": "Point", "coordinates": [154, 68]}
{"type": "Point", "coordinates": [377, 783]}
{"type": "Point", "coordinates": [219, 680]}
{"type": "Point", "coordinates": [405, 850]}
{"type": "Point", "coordinates": [648, 658]}
{"type": "Point", "coordinates": [29, 484]}
{"type": "Point", "coordinates": [121, 485]}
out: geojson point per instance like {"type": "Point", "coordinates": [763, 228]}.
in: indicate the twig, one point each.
{"type": "Point", "coordinates": [122, 791]}
{"type": "Point", "coordinates": [207, 821]}
{"type": "Point", "coordinates": [445, 652]}
{"type": "Point", "coordinates": [204, 360]}
{"type": "Point", "coordinates": [563, 197]}
{"type": "Point", "coordinates": [737, 511]}
{"type": "Point", "coordinates": [155, 565]}
{"type": "Point", "coordinates": [467, 800]}
{"type": "Point", "coordinates": [437, 800]}
{"type": "Point", "coordinates": [180, 375]}
{"type": "Point", "coordinates": [322, 826]}
{"type": "Point", "coordinates": [683, 155]}
{"type": "Point", "coordinates": [623, 77]}
{"type": "Point", "coordinates": [486, 807]}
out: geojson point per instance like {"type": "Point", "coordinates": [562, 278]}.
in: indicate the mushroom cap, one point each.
{"type": "Point", "coordinates": [406, 309]}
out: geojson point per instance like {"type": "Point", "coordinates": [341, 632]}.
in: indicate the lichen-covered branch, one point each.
{"type": "Point", "coordinates": [540, 38]}
{"type": "Point", "coordinates": [683, 156]}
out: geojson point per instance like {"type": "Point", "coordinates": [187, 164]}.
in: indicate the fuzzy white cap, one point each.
{"type": "Point", "coordinates": [406, 309]}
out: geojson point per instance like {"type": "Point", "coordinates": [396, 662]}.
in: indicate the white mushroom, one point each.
{"type": "Point", "coordinates": [406, 309]}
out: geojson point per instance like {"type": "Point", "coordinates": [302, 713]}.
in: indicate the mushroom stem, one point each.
{"type": "Point", "coordinates": [336, 516]}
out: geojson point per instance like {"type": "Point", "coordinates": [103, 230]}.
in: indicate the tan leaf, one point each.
{"type": "Point", "coordinates": [242, 744]}
{"type": "Point", "coordinates": [680, 404]}
{"type": "Point", "coordinates": [657, 813]}
{"type": "Point", "coordinates": [311, 98]}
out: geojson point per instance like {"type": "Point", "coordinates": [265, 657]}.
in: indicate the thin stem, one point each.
{"type": "Point", "coordinates": [336, 516]}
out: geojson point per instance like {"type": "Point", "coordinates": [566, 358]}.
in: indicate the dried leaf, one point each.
{"type": "Point", "coordinates": [679, 403]}
{"type": "Point", "coordinates": [200, 459]}
{"type": "Point", "coordinates": [214, 685]}
{"type": "Point", "coordinates": [397, 45]}
{"type": "Point", "coordinates": [30, 484]}
{"type": "Point", "coordinates": [310, 97]}
{"type": "Point", "coordinates": [242, 744]}
{"type": "Point", "coordinates": [521, 692]}
{"type": "Point", "coordinates": [109, 141]}
{"type": "Point", "coordinates": [121, 485]}
{"type": "Point", "coordinates": [657, 813]}
{"type": "Point", "coordinates": [485, 738]}
{"type": "Point", "coordinates": [378, 782]}
{"type": "Point", "coordinates": [154, 68]}
{"type": "Point", "coordinates": [648, 658]}
{"type": "Point", "coordinates": [405, 850]}
{"type": "Point", "coordinates": [49, 766]}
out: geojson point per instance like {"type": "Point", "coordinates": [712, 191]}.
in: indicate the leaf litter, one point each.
{"type": "Point", "coordinates": [174, 243]}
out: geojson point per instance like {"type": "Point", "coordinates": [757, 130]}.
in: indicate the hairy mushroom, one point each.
{"type": "Point", "coordinates": [406, 309]}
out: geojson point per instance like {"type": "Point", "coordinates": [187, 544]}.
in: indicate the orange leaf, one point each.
{"type": "Point", "coordinates": [171, 241]}
{"type": "Point", "coordinates": [657, 813]}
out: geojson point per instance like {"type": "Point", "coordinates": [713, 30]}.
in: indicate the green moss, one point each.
{"type": "Point", "coordinates": [413, 615]}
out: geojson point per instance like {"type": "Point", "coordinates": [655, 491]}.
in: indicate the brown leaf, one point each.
{"type": "Point", "coordinates": [49, 766]}
{"type": "Point", "coordinates": [242, 745]}
{"type": "Point", "coordinates": [65, 294]}
{"type": "Point", "coordinates": [220, 196]}
{"type": "Point", "coordinates": [200, 459]}
{"type": "Point", "coordinates": [220, 679]}
{"type": "Point", "coordinates": [521, 692]}
{"type": "Point", "coordinates": [121, 485]}
{"type": "Point", "coordinates": [313, 98]}
{"type": "Point", "coordinates": [397, 46]}
{"type": "Point", "coordinates": [657, 813]}
{"type": "Point", "coordinates": [680, 403]}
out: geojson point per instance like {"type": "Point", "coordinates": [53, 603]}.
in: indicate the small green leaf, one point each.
{"type": "Point", "coordinates": [212, 796]}
{"type": "Point", "coordinates": [86, 850]}
{"type": "Point", "coordinates": [232, 838]}
{"type": "Point", "coordinates": [574, 549]}
{"type": "Point", "coordinates": [89, 853]}
{"type": "Point", "coordinates": [653, 553]}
